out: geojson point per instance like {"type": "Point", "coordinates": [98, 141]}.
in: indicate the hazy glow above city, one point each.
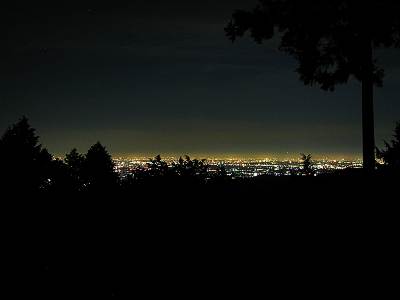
{"type": "Point", "coordinates": [242, 156]}
{"type": "Point", "coordinates": [175, 86]}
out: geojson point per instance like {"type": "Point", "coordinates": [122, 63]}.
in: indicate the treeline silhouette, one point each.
{"type": "Point", "coordinates": [26, 166]}
{"type": "Point", "coordinates": [74, 227]}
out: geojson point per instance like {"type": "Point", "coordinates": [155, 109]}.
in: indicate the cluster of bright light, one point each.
{"type": "Point", "coordinates": [247, 167]}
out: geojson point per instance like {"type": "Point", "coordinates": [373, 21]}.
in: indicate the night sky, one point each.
{"type": "Point", "coordinates": [161, 77]}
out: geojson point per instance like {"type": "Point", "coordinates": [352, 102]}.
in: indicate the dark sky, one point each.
{"type": "Point", "coordinates": [161, 77]}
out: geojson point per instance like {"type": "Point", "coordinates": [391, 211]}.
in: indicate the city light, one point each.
{"type": "Point", "coordinates": [248, 167]}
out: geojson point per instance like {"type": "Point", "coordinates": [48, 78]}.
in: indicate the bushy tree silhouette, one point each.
{"type": "Point", "coordinates": [24, 164]}
{"type": "Point", "coordinates": [307, 164]}
{"type": "Point", "coordinates": [98, 168]}
{"type": "Point", "coordinates": [184, 171]}
{"type": "Point", "coordinates": [190, 169]}
{"type": "Point", "coordinates": [75, 163]}
{"type": "Point", "coordinates": [157, 167]}
{"type": "Point", "coordinates": [391, 155]}
{"type": "Point", "coordinates": [332, 41]}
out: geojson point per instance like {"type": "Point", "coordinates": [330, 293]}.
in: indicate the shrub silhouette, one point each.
{"type": "Point", "coordinates": [157, 167]}
{"type": "Point", "coordinates": [307, 164]}
{"type": "Point", "coordinates": [391, 155]}
{"type": "Point", "coordinates": [190, 169]}
{"type": "Point", "coordinates": [184, 169]}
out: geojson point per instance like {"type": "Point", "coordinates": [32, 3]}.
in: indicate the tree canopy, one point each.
{"type": "Point", "coordinates": [328, 38]}
{"type": "Point", "coordinates": [98, 168]}
{"type": "Point", "coordinates": [332, 41]}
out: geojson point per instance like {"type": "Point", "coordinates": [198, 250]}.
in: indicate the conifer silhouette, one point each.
{"type": "Point", "coordinates": [24, 164]}
{"type": "Point", "coordinates": [98, 168]}
{"type": "Point", "coordinates": [391, 155]}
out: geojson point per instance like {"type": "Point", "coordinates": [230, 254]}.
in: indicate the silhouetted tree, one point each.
{"type": "Point", "coordinates": [75, 162]}
{"type": "Point", "coordinates": [391, 155]}
{"type": "Point", "coordinates": [98, 169]}
{"type": "Point", "coordinates": [306, 163]}
{"type": "Point", "coordinates": [332, 41]}
{"type": "Point", "coordinates": [24, 164]}
{"type": "Point", "coordinates": [61, 180]}
{"type": "Point", "coordinates": [157, 167]}
{"type": "Point", "coordinates": [190, 169]}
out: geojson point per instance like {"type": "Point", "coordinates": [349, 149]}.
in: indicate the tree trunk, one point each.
{"type": "Point", "coordinates": [368, 109]}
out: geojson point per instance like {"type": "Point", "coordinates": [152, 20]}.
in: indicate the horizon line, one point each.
{"type": "Point", "coordinates": [241, 156]}
{"type": "Point", "coordinates": [231, 156]}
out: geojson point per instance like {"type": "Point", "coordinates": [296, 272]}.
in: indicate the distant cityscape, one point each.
{"type": "Point", "coordinates": [247, 167]}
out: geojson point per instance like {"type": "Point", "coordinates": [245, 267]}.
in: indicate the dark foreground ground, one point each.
{"type": "Point", "coordinates": [279, 237]}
